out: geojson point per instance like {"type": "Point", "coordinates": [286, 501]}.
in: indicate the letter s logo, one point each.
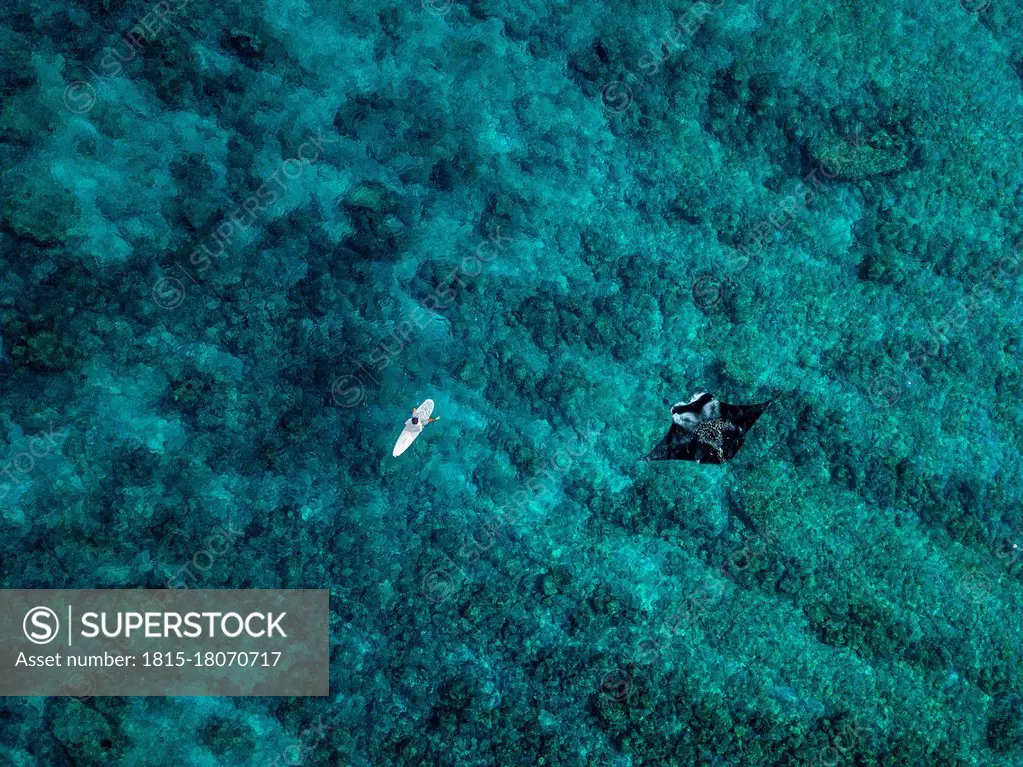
{"type": "Point", "coordinates": [45, 625]}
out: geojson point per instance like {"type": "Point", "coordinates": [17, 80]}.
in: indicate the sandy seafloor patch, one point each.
{"type": "Point", "coordinates": [602, 207]}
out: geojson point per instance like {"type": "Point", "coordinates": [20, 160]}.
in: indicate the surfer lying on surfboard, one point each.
{"type": "Point", "coordinates": [414, 427]}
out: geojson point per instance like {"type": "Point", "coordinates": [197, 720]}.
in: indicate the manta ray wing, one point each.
{"type": "Point", "coordinates": [743, 416]}
{"type": "Point", "coordinates": [677, 445]}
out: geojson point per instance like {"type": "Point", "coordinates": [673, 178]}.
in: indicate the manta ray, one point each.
{"type": "Point", "coordinates": [706, 430]}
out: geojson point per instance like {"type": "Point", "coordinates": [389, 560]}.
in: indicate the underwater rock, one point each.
{"type": "Point", "coordinates": [859, 156]}
{"type": "Point", "coordinates": [37, 208]}
{"type": "Point", "coordinates": [1005, 725]}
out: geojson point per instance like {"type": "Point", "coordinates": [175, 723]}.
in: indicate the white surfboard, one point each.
{"type": "Point", "coordinates": [408, 436]}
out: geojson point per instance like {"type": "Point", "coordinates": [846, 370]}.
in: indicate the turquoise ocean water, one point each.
{"type": "Point", "coordinates": [241, 241]}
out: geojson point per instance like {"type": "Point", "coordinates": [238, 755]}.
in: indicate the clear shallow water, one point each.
{"type": "Point", "coordinates": [238, 253]}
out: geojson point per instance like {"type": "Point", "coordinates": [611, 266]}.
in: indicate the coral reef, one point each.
{"type": "Point", "coordinates": [241, 240]}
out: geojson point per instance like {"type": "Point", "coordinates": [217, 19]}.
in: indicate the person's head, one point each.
{"type": "Point", "coordinates": [414, 420]}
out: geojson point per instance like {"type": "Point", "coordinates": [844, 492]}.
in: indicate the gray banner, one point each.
{"type": "Point", "coordinates": [164, 642]}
